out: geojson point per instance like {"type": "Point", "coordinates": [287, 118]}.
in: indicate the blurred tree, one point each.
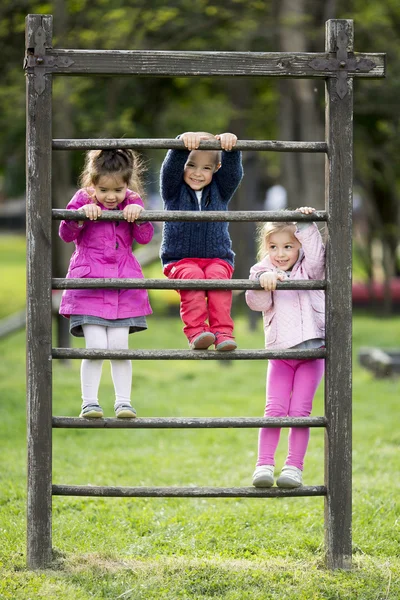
{"type": "Point", "coordinates": [61, 168]}
{"type": "Point", "coordinates": [300, 116]}
{"type": "Point", "coordinates": [377, 132]}
{"type": "Point", "coordinates": [12, 95]}
{"type": "Point", "coordinates": [255, 108]}
{"type": "Point", "coordinates": [161, 107]}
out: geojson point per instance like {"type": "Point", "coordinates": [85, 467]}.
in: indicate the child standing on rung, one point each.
{"type": "Point", "coordinates": [292, 319]}
{"type": "Point", "coordinates": [201, 180]}
{"type": "Point", "coordinates": [106, 317]}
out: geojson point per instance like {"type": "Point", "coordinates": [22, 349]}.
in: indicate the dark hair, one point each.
{"type": "Point", "coordinates": [119, 161]}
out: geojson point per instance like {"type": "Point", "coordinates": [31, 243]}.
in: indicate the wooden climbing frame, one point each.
{"type": "Point", "coordinates": [338, 65]}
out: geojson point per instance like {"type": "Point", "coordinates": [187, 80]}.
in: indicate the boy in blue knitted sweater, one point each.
{"type": "Point", "coordinates": [193, 179]}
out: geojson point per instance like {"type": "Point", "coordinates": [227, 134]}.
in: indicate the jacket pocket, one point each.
{"type": "Point", "coordinates": [79, 272]}
{"type": "Point", "coordinates": [80, 297]}
{"type": "Point", "coordinates": [318, 306]}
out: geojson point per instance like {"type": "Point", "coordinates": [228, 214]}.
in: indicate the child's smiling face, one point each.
{"type": "Point", "coordinates": [110, 191]}
{"type": "Point", "coordinates": [283, 249]}
{"type": "Point", "coordinates": [200, 168]}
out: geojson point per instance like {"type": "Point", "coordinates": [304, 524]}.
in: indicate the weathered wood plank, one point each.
{"type": "Point", "coordinates": [159, 63]}
{"type": "Point", "coordinates": [38, 231]}
{"type": "Point", "coordinates": [185, 354]}
{"type": "Point", "coordinates": [185, 492]}
{"type": "Point", "coordinates": [192, 215]}
{"type": "Point", "coordinates": [338, 203]}
{"type": "Point", "coordinates": [142, 144]}
{"type": "Point", "coordinates": [192, 284]}
{"type": "Point", "coordinates": [382, 363]}
{"type": "Point", "coordinates": [187, 422]}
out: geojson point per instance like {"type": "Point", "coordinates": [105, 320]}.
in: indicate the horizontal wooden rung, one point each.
{"type": "Point", "coordinates": [177, 63]}
{"type": "Point", "coordinates": [193, 215]}
{"type": "Point", "coordinates": [181, 284]}
{"type": "Point", "coordinates": [187, 422]}
{"type": "Point", "coordinates": [185, 354]}
{"type": "Point", "coordinates": [142, 144]}
{"type": "Point", "coordinates": [185, 492]}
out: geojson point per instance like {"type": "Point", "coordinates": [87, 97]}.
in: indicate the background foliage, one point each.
{"type": "Point", "coordinates": [253, 108]}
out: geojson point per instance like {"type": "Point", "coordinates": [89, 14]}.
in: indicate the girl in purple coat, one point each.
{"type": "Point", "coordinates": [292, 319]}
{"type": "Point", "coordinates": [106, 317]}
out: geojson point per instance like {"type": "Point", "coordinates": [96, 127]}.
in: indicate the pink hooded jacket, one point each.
{"type": "Point", "coordinates": [104, 249]}
{"type": "Point", "coordinates": [293, 316]}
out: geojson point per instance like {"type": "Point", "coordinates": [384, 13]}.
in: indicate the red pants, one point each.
{"type": "Point", "coordinates": [200, 306]}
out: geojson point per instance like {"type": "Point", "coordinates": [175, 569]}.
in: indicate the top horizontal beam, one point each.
{"type": "Point", "coordinates": [160, 63]}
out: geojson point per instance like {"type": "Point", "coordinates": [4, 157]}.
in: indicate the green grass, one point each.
{"type": "Point", "coordinates": [147, 548]}
{"type": "Point", "coordinates": [12, 268]}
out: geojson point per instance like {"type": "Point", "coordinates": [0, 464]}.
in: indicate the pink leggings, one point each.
{"type": "Point", "coordinates": [291, 386]}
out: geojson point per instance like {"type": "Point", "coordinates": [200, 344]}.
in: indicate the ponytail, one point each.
{"type": "Point", "coordinates": [117, 161]}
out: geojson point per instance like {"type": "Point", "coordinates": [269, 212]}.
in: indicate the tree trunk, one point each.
{"type": "Point", "coordinates": [246, 197]}
{"type": "Point", "coordinates": [61, 172]}
{"type": "Point", "coordinates": [303, 174]}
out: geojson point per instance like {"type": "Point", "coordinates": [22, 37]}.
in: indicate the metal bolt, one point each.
{"type": "Point", "coordinates": [342, 64]}
{"type": "Point", "coordinates": [39, 60]}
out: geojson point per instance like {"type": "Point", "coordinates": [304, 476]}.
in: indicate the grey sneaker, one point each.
{"type": "Point", "coordinates": [125, 411]}
{"type": "Point", "coordinates": [92, 411]}
{"type": "Point", "coordinates": [263, 476]}
{"type": "Point", "coordinates": [224, 342]}
{"type": "Point", "coordinates": [202, 341]}
{"type": "Point", "coordinates": [290, 477]}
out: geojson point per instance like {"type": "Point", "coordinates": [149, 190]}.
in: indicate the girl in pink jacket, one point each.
{"type": "Point", "coordinates": [292, 319]}
{"type": "Point", "coordinates": [106, 317]}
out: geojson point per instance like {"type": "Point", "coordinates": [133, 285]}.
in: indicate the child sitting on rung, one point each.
{"type": "Point", "coordinates": [292, 319]}
{"type": "Point", "coordinates": [201, 180]}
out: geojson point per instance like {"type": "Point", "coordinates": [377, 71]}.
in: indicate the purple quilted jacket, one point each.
{"type": "Point", "coordinates": [104, 249]}
{"type": "Point", "coordinates": [293, 316]}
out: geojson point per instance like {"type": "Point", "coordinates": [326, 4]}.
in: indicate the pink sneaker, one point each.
{"type": "Point", "coordinates": [202, 341]}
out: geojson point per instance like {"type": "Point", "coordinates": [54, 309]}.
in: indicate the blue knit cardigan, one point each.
{"type": "Point", "coordinates": [202, 239]}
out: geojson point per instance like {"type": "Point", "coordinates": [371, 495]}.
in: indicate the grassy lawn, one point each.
{"type": "Point", "coordinates": [12, 265]}
{"type": "Point", "coordinates": [145, 548]}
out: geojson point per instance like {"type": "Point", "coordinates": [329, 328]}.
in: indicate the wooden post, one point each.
{"type": "Point", "coordinates": [338, 203]}
{"type": "Point", "coordinates": [39, 339]}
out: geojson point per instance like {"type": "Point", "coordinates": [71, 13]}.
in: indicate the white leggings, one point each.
{"type": "Point", "coordinates": [106, 338]}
